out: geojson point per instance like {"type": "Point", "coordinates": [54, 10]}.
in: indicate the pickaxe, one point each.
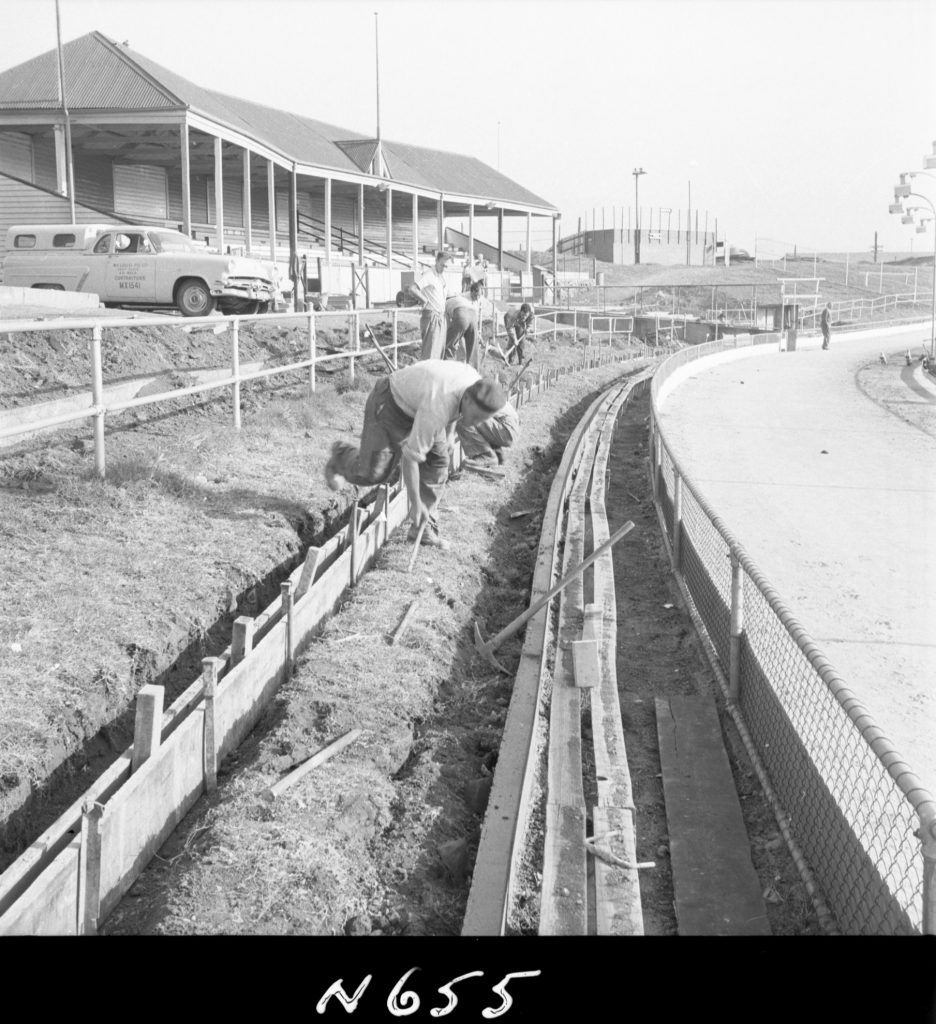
{"type": "Point", "coordinates": [486, 648]}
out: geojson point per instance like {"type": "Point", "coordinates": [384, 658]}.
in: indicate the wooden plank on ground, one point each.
{"type": "Point", "coordinates": [564, 906]}
{"type": "Point", "coordinates": [617, 889]}
{"type": "Point", "coordinates": [564, 903]}
{"type": "Point", "coordinates": [508, 806]}
{"type": "Point", "coordinates": [716, 887]}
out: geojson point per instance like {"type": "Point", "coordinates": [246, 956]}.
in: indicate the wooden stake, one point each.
{"type": "Point", "coordinates": [209, 746]}
{"type": "Point", "coordinates": [286, 598]}
{"type": "Point", "coordinates": [353, 530]}
{"type": "Point", "coordinates": [314, 761]}
{"type": "Point", "coordinates": [404, 622]}
{"type": "Point", "coordinates": [148, 724]}
{"type": "Point", "coordinates": [241, 638]}
{"type": "Point", "coordinates": [307, 576]}
{"type": "Point", "coordinates": [89, 869]}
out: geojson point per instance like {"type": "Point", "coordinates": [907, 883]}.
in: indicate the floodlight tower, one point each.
{"type": "Point", "coordinates": [904, 190]}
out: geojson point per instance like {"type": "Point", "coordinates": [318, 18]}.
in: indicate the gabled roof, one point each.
{"type": "Point", "coordinates": [103, 75]}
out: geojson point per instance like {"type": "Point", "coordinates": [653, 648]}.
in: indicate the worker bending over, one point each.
{"type": "Point", "coordinates": [517, 322]}
{"type": "Point", "coordinates": [411, 415]}
{"type": "Point", "coordinates": [463, 317]}
{"type": "Point", "coordinates": [483, 443]}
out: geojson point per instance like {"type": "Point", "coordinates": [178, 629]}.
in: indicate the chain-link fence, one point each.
{"type": "Point", "coordinates": [860, 817]}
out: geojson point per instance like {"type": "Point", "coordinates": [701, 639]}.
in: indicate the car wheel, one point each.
{"type": "Point", "coordinates": [264, 307]}
{"type": "Point", "coordinates": [194, 299]}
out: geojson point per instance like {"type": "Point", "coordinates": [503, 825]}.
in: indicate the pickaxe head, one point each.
{"type": "Point", "coordinates": [485, 651]}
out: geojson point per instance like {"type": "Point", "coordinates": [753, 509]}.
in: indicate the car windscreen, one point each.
{"type": "Point", "coordinates": [172, 241]}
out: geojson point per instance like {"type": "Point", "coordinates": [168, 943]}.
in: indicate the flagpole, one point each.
{"type": "Point", "coordinates": [68, 143]}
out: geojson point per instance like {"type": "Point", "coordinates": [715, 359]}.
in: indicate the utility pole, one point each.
{"type": "Point", "coordinates": [637, 172]}
{"type": "Point", "coordinates": [688, 228]}
{"type": "Point", "coordinates": [68, 141]}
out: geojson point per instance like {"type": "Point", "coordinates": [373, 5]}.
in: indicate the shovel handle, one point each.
{"type": "Point", "coordinates": [521, 620]}
{"type": "Point", "coordinates": [377, 345]}
{"type": "Point", "coordinates": [416, 543]}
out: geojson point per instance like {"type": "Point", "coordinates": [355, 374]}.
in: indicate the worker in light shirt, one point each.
{"type": "Point", "coordinates": [430, 291]}
{"type": "Point", "coordinates": [463, 315]}
{"type": "Point", "coordinates": [411, 415]}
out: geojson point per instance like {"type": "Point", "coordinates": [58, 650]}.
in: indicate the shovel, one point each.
{"type": "Point", "coordinates": [386, 358]}
{"type": "Point", "coordinates": [486, 648]}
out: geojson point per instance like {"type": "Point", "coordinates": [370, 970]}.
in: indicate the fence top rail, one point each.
{"type": "Point", "coordinates": [922, 801]}
{"type": "Point", "coordinates": [91, 321]}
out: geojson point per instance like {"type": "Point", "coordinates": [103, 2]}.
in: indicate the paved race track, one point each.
{"type": "Point", "coordinates": [823, 465]}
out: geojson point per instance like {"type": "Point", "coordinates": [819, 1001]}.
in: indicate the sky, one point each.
{"type": "Point", "coordinates": [787, 121]}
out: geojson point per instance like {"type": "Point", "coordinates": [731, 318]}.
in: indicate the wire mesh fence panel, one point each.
{"type": "Point", "coordinates": [850, 818]}
{"type": "Point", "coordinates": [707, 570]}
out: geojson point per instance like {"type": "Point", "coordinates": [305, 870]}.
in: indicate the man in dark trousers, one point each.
{"type": "Point", "coordinates": [825, 324]}
{"type": "Point", "coordinates": [411, 416]}
{"type": "Point", "coordinates": [462, 315]}
{"type": "Point", "coordinates": [483, 444]}
{"type": "Point", "coordinates": [517, 322]}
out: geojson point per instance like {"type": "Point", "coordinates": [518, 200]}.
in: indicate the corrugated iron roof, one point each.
{"type": "Point", "coordinates": [97, 77]}
{"type": "Point", "coordinates": [103, 75]}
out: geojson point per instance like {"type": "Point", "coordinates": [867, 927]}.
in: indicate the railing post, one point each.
{"type": "Point", "coordinates": [658, 464]}
{"type": "Point", "coordinates": [209, 745]}
{"type": "Point", "coordinates": [653, 444]}
{"type": "Point", "coordinates": [286, 598]}
{"type": "Point", "coordinates": [97, 398]}
{"type": "Point", "coordinates": [677, 519]}
{"type": "Point", "coordinates": [311, 354]}
{"type": "Point", "coordinates": [235, 372]}
{"type": "Point", "coordinates": [396, 338]}
{"type": "Point", "coordinates": [928, 836]}
{"type": "Point", "coordinates": [353, 343]}
{"type": "Point", "coordinates": [737, 629]}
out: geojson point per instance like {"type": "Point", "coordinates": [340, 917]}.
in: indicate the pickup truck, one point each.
{"type": "Point", "coordinates": [137, 266]}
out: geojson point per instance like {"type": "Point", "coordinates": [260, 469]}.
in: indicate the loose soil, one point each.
{"type": "Point", "coordinates": [114, 584]}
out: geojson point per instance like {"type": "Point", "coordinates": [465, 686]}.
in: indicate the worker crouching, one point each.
{"type": "Point", "coordinates": [411, 416]}
{"type": "Point", "coordinates": [483, 444]}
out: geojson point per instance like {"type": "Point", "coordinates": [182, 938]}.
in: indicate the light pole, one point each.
{"type": "Point", "coordinates": [904, 191]}
{"type": "Point", "coordinates": [637, 173]}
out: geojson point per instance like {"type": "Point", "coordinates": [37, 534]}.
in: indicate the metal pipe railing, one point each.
{"type": "Point", "coordinates": [912, 896]}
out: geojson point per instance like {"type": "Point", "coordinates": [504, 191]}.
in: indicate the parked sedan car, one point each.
{"type": "Point", "coordinates": [137, 266]}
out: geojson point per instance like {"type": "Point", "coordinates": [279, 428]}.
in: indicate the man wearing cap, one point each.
{"type": "Point", "coordinates": [411, 415]}
{"type": "Point", "coordinates": [483, 443]}
{"type": "Point", "coordinates": [430, 292]}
